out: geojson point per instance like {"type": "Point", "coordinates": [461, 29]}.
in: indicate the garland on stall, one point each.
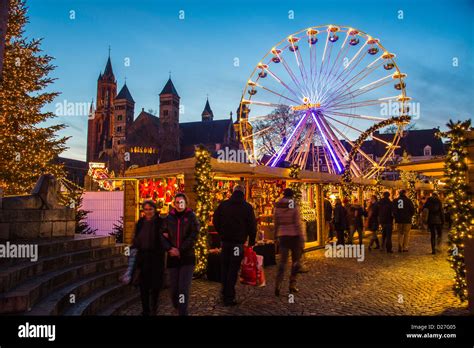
{"type": "Point", "coordinates": [296, 186]}
{"type": "Point", "coordinates": [203, 189]}
{"type": "Point", "coordinates": [459, 197]}
{"type": "Point", "coordinates": [348, 186]}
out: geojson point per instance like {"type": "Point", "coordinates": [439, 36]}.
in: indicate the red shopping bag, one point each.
{"type": "Point", "coordinates": [248, 268]}
{"type": "Point", "coordinates": [260, 272]}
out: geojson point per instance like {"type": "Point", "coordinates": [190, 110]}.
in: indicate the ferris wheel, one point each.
{"type": "Point", "coordinates": [317, 91]}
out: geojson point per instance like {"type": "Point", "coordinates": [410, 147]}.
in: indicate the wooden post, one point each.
{"type": "Point", "coordinates": [360, 195]}
{"type": "Point", "coordinates": [130, 209]}
{"type": "Point", "coordinates": [189, 183]}
{"type": "Point", "coordinates": [320, 214]}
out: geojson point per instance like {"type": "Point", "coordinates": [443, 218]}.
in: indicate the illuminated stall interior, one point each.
{"type": "Point", "coordinates": [264, 185]}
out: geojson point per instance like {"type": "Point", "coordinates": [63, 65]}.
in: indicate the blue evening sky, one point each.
{"type": "Point", "coordinates": [200, 50]}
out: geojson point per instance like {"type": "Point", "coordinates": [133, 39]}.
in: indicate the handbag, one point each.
{"type": "Point", "coordinates": [132, 273]}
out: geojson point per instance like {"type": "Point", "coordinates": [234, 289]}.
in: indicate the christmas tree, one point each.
{"type": "Point", "coordinates": [27, 146]}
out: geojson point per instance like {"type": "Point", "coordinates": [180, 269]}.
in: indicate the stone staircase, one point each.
{"type": "Point", "coordinates": [72, 276]}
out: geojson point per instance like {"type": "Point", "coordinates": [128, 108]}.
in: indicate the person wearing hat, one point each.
{"type": "Point", "coordinates": [288, 230]}
{"type": "Point", "coordinates": [234, 221]}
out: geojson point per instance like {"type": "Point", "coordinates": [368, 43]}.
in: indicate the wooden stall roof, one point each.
{"type": "Point", "coordinates": [245, 170]}
{"type": "Point", "coordinates": [432, 167]}
{"type": "Point", "coordinates": [235, 170]}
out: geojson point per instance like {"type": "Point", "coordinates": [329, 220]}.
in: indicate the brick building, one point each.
{"type": "Point", "coordinates": [115, 137]}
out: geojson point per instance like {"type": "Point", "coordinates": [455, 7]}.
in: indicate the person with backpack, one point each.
{"type": "Point", "coordinates": [234, 221]}
{"type": "Point", "coordinates": [385, 218]}
{"type": "Point", "coordinates": [289, 231]}
{"type": "Point", "coordinates": [435, 220]}
{"type": "Point", "coordinates": [403, 211]}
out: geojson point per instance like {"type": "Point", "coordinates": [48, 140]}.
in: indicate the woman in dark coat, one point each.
{"type": "Point", "coordinates": [179, 234]}
{"type": "Point", "coordinates": [150, 257]}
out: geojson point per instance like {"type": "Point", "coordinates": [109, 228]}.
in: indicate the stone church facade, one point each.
{"type": "Point", "coordinates": [118, 139]}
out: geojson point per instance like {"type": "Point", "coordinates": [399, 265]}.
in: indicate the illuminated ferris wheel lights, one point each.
{"type": "Point", "coordinates": [388, 55]}
{"type": "Point", "coordinates": [372, 40]}
{"type": "Point", "coordinates": [314, 81]}
{"type": "Point", "coordinates": [398, 75]}
{"type": "Point", "coordinates": [402, 98]}
{"type": "Point", "coordinates": [352, 31]}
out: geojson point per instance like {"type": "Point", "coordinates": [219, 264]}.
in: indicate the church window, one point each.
{"type": "Point", "coordinates": [427, 150]}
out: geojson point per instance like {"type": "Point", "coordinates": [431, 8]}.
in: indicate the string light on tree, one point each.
{"type": "Point", "coordinates": [28, 150]}
{"type": "Point", "coordinates": [203, 189]}
{"type": "Point", "coordinates": [459, 198]}
{"type": "Point", "coordinates": [295, 186]}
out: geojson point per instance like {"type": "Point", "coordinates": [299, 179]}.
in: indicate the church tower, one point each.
{"type": "Point", "coordinates": [169, 123]}
{"type": "Point", "coordinates": [124, 106]}
{"type": "Point", "coordinates": [101, 125]}
{"type": "Point", "coordinates": [207, 114]}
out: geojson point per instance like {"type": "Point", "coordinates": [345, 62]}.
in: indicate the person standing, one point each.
{"type": "Point", "coordinates": [179, 234]}
{"type": "Point", "coordinates": [356, 213]}
{"type": "Point", "coordinates": [385, 218]}
{"type": "Point", "coordinates": [435, 220]}
{"type": "Point", "coordinates": [288, 230]}
{"type": "Point", "coordinates": [373, 222]}
{"type": "Point", "coordinates": [340, 221]}
{"type": "Point", "coordinates": [150, 258]}
{"type": "Point", "coordinates": [234, 221]}
{"type": "Point", "coordinates": [327, 219]}
{"type": "Point", "coordinates": [403, 211]}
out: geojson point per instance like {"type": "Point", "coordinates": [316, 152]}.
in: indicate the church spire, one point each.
{"type": "Point", "coordinates": [169, 88]}
{"type": "Point", "coordinates": [207, 114]}
{"type": "Point", "coordinates": [108, 68]}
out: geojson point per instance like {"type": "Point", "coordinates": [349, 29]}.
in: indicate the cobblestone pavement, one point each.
{"type": "Point", "coordinates": [412, 283]}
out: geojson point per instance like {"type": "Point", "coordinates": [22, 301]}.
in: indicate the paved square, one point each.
{"type": "Point", "coordinates": [413, 283]}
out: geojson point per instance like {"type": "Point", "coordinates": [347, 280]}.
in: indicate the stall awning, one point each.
{"type": "Point", "coordinates": [431, 168]}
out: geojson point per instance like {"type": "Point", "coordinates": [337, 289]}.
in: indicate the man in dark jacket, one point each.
{"type": "Point", "coordinates": [327, 219]}
{"type": "Point", "coordinates": [340, 221]}
{"type": "Point", "coordinates": [384, 210]}
{"type": "Point", "coordinates": [435, 220]}
{"type": "Point", "coordinates": [356, 224]}
{"type": "Point", "coordinates": [403, 211]}
{"type": "Point", "coordinates": [234, 220]}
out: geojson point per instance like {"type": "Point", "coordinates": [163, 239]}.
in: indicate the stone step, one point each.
{"type": "Point", "coordinates": [58, 245]}
{"type": "Point", "coordinates": [15, 274]}
{"type": "Point", "coordinates": [59, 301]}
{"type": "Point", "coordinates": [100, 300]}
{"type": "Point", "coordinates": [23, 297]}
{"type": "Point", "coordinates": [120, 305]}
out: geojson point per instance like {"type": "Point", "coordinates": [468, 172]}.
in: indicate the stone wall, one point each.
{"type": "Point", "coordinates": [38, 215]}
